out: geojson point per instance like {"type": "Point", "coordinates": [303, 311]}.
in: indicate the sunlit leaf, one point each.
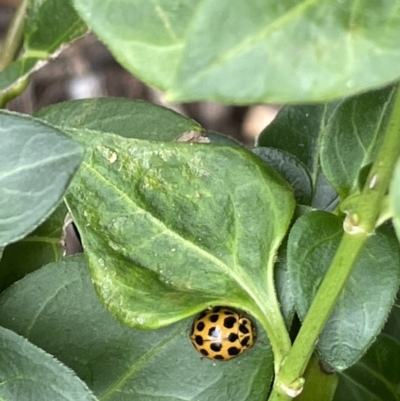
{"type": "Point", "coordinates": [181, 226]}
{"type": "Point", "coordinates": [252, 51]}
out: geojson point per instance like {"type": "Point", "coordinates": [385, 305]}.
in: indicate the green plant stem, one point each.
{"type": "Point", "coordinates": [13, 40]}
{"type": "Point", "coordinates": [10, 49]}
{"type": "Point", "coordinates": [359, 224]}
{"type": "Point", "coordinates": [320, 385]}
{"type": "Point", "coordinates": [319, 312]}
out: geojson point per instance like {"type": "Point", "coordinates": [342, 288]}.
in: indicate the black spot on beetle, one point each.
{"type": "Point", "coordinates": [216, 347]}
{"type": "Point", "coordinates": [200, 326]}
{"type": "Point", "coordinates": [198, 340]}
{"type": "Point", "coordinates": [229, 322]}
{"type": "Point", "coordinates": [245, 341]}
{"type": "Point", "coordinates": [204, 352]}
{"type": "Point", "coordinates": [214, 332]}
{"type": "Point", "coordinates": [232, 337]}
{"type": "Point", "coordinates": [213, 318]}
{"type": "Point", "coordinates": [243, 329]}
{"type": "Point", "coordinates": [232, 351]}
{"type": "Point", "coordinates": [219, 357]}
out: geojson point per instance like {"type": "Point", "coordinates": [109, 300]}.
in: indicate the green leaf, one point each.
{"type": "Point", "coordinates": [218, 138]}
{"type": "Point", "coordinates": [375, 377]}
{"type": "Point", "coordinates": [49, 25]}
{"type": "Point", "coordinates": [28, 373]}
{"type": "Point", "coordinates": [146, 38]}
{"type": "Point", "coordinates": [366, 300]}
{"type": "Point", "coordinates": [40, 247]}
{"type": "Point", "coordinates": [41, 32]}
{"type": "Point", "coordinates": [394, 198]}
{"type": "Point", "coordinates": [185, 227]}
{"type": "Point", "coordinates": [291, 169]}
{"type": "Point", "coordinates": [16, 72]}
{"type": "Point", "coordinates": [66, 318]}
{"type": "Point", "coordinates": [128, 118]}
{"type": "Point", "coordinates": [254, 51]}
{"type": "Point", "coordinates": [37, 163]}
{"type": "Point", "coordinates": [353, 136]}
{"type": "Point", "coordinates": [283, 287]}
{"type": "Point", "coordinates": [298, 130]}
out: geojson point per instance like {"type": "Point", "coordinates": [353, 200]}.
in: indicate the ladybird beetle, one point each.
{"type": "Point", "coordinates": [222, 334]}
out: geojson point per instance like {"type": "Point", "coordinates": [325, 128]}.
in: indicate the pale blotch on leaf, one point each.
{"type": "Point", "coordinates": [113, 157]}
{"type": "Point", "coordinates": [108, 154]}
{"type": "Point", "coordinates": [164, 154]}
{"type": "Point", "coordinates": [193, 137]}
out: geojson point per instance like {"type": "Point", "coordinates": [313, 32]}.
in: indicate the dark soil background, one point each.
{"type": "Point", "coordinates": [87, 69]}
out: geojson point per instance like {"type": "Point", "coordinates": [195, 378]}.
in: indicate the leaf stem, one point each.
{"type": "Point", "coordinates": [274, 325]}
{"type": "Point", "coordinates": [13, 40]}
{"type": "Point", "coordinates": [359, 224]}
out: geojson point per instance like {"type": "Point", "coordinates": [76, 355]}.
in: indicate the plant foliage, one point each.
{"type": "Point", "coordinates": [300, 232]}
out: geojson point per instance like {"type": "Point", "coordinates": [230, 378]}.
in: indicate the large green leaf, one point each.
{"type": "Point", "coordinates": [118, 363]}
{"type": "Point", "coordinates": [352, 138]}
{"type": "Point", "coordinates": [28, 373]}
{"type": "Point", "coordinates": [42, 246]}
{"type": "Point", "coordinates": [298, 130]}
{"type": "Point", "coordinates": [178, 226]}
{"type": "Point", "coordinates": [238, 51]}
{"type": "Point", "coordinates": [37, 163]}
{"type": "Point", "coordinates": [366, 300]}
{"type": "Point", "coordinates": [375, 377]}
{"type": "Point", "coordinates": [49, 25]}
{"type": "Point", "coordinates": [128, 118]}
{"type": "Point", "coordinates": [146, 37]}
